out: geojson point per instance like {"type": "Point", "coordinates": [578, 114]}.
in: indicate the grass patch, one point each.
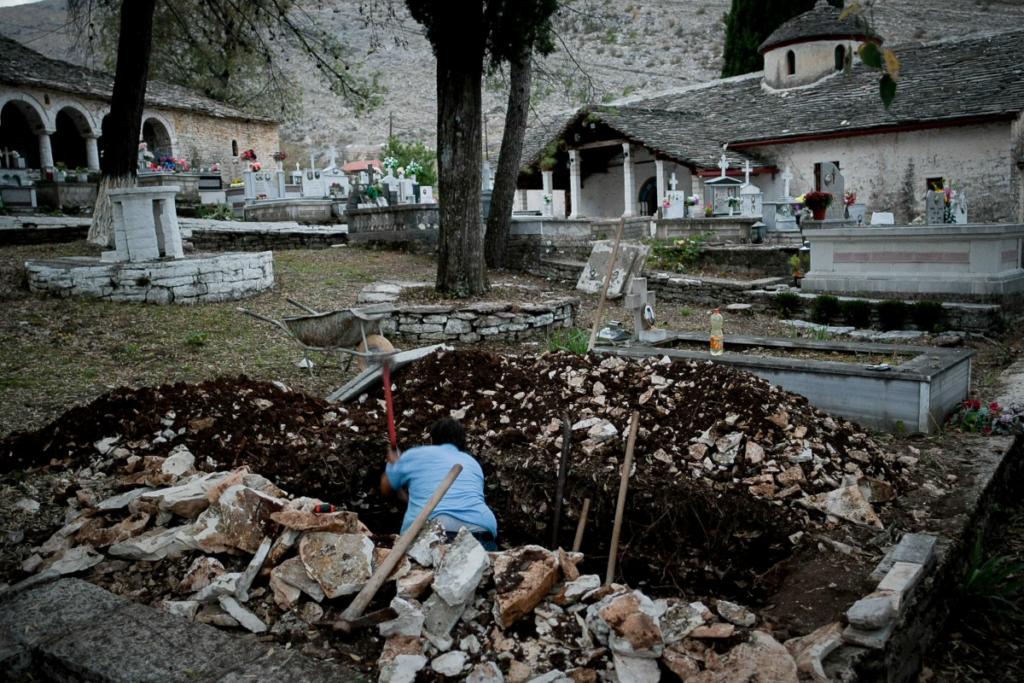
{"type": "Point", "coordinates": [572, 340]}
{"type": "Point", "coordinates": [824, 309]}
{"type": "Point", "coordinates": [786, 303]}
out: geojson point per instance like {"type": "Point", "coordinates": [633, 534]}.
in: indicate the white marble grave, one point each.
{"type": "Point", "coordinates": [641, 303]}
{"type": "Point", "coordinates": [145, 224]}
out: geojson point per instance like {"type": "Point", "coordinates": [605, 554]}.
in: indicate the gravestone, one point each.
{"type": "Point", "coordinates": [959, 208]}
{"type": "Point", "coordinates": [676, 205]}
{"type": "Point", "coordinates": [883, 218]}
{"type": "Point", "coordinates": [337, 183]}
{"type": "Point", "coordinates": [630, 260]}
{"type": "Point", "coordinates": [406, 194]}
{"type": "Point", "coordinates": [426, 194]}
{"type": "Point", "coordinates": [145, 224]}
{"type": "Point", "coordinates": [313, 185]}
{"type": "Point", "coordinates": [832, 181]}
{"type": "Point", "coordinates": [641, 303]}
{"type": "Point", "coordinates": [390, 184]}
{"type": "Point", "coordinates": [935, 208]}
{"type": "Point", "coordinates": [751, 197]}
{"type": "Point", "coordinates": [260, 185]}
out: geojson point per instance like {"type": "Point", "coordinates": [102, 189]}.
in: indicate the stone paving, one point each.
{"type": "Point", "coordinates": [72, 630]}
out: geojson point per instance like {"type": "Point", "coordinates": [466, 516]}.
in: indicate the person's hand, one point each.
{"type": "Point", "coordinates": [393, 455]}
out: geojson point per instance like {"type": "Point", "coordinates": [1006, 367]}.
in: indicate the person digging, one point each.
{"type": "Point", "coordinates": [414, 475]}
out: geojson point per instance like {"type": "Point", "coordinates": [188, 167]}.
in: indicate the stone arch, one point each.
{"type": "Point", "coordinates": [647, 197]}
{"type": "Point", "coordinates": [158, 134]}
{"type": "Point", "coordinates": [84, 117]}
{"type": "Point", "coordinates": [840, 55]}
{"type": "Point", "coordinates": [790, 63]}
{"type": "Point", "coordinates": [22, 119]}
{"type": "Point", "coordinates": [68, 141]}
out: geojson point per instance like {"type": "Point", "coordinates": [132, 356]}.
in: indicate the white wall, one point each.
{"type": "Point", "coordinates": [814, 59]}
{"type": "Point", "coordinates": [888, 171]}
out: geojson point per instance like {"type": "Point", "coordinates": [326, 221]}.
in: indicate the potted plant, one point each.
{"type": "Point", "coordinates": [818, 203]}
{"type": "Point", "coordinates": [62, 172]}
{"type": "Point", "coordinates": [849, 199]}
{"type": "Point", "coordinates": [708, 211]}
{"type": "Point", "coordinates": [83, 174]}
{"type": "Point", "coordinates": [734, 203]}
{"type": "Point", "coordinates": [798, 264]}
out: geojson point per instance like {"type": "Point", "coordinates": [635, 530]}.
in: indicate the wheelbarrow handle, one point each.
{"type": "Point", "coordinates": [266, 319]}
{"type": "Point", "coordinates": [304, 307]}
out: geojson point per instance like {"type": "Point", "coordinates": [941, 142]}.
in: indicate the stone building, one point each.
{"type": "Point", "coordinates": [957, 117]}
{"type": "Point", "coordinates": [53, 112]}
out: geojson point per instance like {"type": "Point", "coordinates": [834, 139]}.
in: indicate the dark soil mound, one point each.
{"type": "Point", "coordinates": [694, 513]}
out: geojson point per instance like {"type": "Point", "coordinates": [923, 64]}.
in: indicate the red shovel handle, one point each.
{"type": "Point", "coordinates": [392, 434]}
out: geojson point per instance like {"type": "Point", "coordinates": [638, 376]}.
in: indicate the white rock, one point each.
{"type": "Point", "coordinates": [461, 569]}
{"type": "Point", "coordinates": [105, 445]}
{"type": "Point", "coordinates": [636, 669]}
{"type": "Point", "coordinates": [76, 559]}
{"type": "Point", "coordinates": [155, 544]}
{"type": "Point", "coordinates": [178, 462]}
{"type": "Point", "coordinates": [603, 431]}
{"type": "Point", "coordinates": [122, 500]}
{"type": "Point", "coordinates": [450, 663]}
{"type": "Point", "coordinates": [243, 616]}
{"type": "Point", "coordinates": [470, 644]}
{"type": "Point", "coordinates": [407, 622]}
{"type": "Point", "coordinates": [181, 608]}
{"type": "Point", "coordinates": [872, 612]}
{"type": "Point", "coordinates": [225, 584]}
{"type": "Point", "coordinates": [428, 547]}
{"type": "Point", "coordinates": [485, 672]}
{"type": "Point", "coordinates": [255, 564]}
{"type": "Point", "coordinates": [736, 614]}
{"type": "Point", "coordinates": [575, 590]}
{"type": "Point", "coordinates": [27, 505]}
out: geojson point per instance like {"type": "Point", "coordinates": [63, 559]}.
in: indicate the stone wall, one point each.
{"type": "Point", "coordinates": [187, 184]}
{"type": "Point", "coordinates": [321, 211]}
{"type": "Point", "coordinates": [198, 279]}
{"type": "Point", "coordinates": [708, 291]}
{"type": "Point", "coordinates": [266, 239]}
{"type": "Point", "coordinates": [409, 225]}
{"type": "Point", "coordinates": [484, 320]}
{"type": "Point", "coordinates": [65, 195]}
{"type": "Point", "coordinates": [732, 229]}
{"type": "Point", "coordinates": [205, 140]}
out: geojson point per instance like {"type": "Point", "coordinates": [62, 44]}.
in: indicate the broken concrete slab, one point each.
{"type": "Point", "coordinates": [901, 579]}
{"type": "Point", "coordinates": [845, 503]}
{"type": "Point", "coordinates": [810, 651]}
{"type": "Point", "coordinates": [293, 573]}
{"type": "Point", "coordinates": [255, 564]}
{"type": "Point", "coordinates": [200, 573]}
{"type": "Point", "coordinates": [340, 522]}
{"type": "Point", "coordinates": [407, 622]}
{"type": "Point", "coordinates": [439, 618]}
{"type": "Point", "coordinates": [735, 614]}
{"type": "Point", "coordinates": [340, 563]}
{"type": "Point", "coordinates": [450, 663]}
{"type": "Point", "coordinates": [628, 262]}
{"type": "Point", "coordinates": [461, 569]}
{"type": "Point", "coordinates": [915, 548]}
{"type": "Point", "coordinates": [628, 624]}
{"type": "Point", "coordinates": [679, 620]}
{"type": "Point", "coordinates": [152, 545]}
{"type": "Point", "coordinates": [179, 462]}
{"type": "Point", "coordinates": [121, 500]}
{"type": "Point", "coordinates": [429, 546]}
{"type": "Point", "coordinates": [245, 517]}
{"type": "Point", "coordinates": [401, 659]}
{"type": "Point", "coordinates": [760, 658]}
{"type": "Point", "coordinates": [636, 669]}
{"type": "Point", "coordinates": [415, 583]}
{"type": "Point", "coordinates": [522, 577]}
{"type": "Point", "coordinates": [873, 611]}
{"type": "Point", "coordinates": [225, 584]}
{"type": "Point", "coordinates": [243, 616]}
{"type": "Point", "coordinates": [874, 639]}
{"type": "Point", "coordinates": [573, 591]}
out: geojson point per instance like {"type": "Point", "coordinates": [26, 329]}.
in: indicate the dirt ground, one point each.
{"type": "Point", "coordinates": [62, 353]}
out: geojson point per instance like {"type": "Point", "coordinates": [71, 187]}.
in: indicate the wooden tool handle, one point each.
{"type": "Point", "coordinates": [359, 604]}
{"type": "Point", "coordinates": [578, 541]}
{"type": "Point", "coordinates": [390, 404]}
{"type": "Point", "coordinates": [627, 465]}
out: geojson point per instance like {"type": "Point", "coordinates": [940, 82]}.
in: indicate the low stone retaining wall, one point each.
{"type": "Point", "coordinates": [484, 320]}
{"type": "Point", "coordinates": [198, 279]}
{"type": "Point", "coordinates": [410, 225]}
{"type": "Point", "coordinates": [711, 291]}
{"type": "Point", "coordinates": [734, 229]}
{"type": "Point", "coordinates": [209, 235]}
{"type": "Point", "coordinates": [187, 183]}
{"type": "Point", "coordinates": [66, 195]}
{"type": "Point", "coordinates": [319, 211]}
{"type": "Point", "coordinates": [41, 229]}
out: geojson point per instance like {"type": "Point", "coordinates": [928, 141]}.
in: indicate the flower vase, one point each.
{"type": "Point", "coordinates": [819, 214]}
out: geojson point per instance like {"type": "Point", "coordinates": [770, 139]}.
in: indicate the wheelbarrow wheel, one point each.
{"type": "Point", "coordinates": [374, 342]}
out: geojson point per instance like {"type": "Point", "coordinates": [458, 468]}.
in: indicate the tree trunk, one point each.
{"type": "Point", "coordinates": [500, 220]}
{"type": "Point", "coordinates": [124, 122]}
{"type": "Point", "coordinates": [460, 263]}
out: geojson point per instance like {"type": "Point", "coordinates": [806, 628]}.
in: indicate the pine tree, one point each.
{"type": "Point", "coordinates": [749, 23]}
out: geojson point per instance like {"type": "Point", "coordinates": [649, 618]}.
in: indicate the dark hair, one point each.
{"type": "Point", "coordinates": [448, 430]}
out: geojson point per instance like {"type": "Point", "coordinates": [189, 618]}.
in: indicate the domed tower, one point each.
{"type": "Point", "coordinates": [812, 45]}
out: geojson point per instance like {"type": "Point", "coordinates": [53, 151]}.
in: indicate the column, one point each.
{"type": "Point", "coordinates": [45, 151]}
{"type": "Point", "coordinates": [575, 195]}
{"type": "Point", "coordinates": [92, 153]}
{"type": "Point", "coordinates": [628, 182]}
{"type": "Point", "coordinates": [659, 174]}
{"type": "Point", "coordinates": [549, 198]}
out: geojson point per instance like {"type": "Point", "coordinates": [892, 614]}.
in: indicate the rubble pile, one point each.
{"type": "Point", "coordinates": [729, 470]}
{"type": "Point", "coordinates": [239, 552]}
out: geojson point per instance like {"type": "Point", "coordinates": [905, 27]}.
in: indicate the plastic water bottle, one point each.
{"type": "Point", "coordinates": [717, 336]}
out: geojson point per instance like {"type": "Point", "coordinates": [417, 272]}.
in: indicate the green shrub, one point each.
{"type": "Point", "coordinates": [216, 212]}
{"type": "Point", "coordinates": [787, 303]}
{"type": "Point", "coordinates": [892, 314]}
{"type": "Point", "coordinates": [856, 312]}
{"type": "Point", "coordinates": [929, 316]}
{"type": "Point", "coordinates": [196, 339]}
{"type": "Point", "coordinates": [572, 340]}
{"type": "Point", "coordinates": [824, 309]}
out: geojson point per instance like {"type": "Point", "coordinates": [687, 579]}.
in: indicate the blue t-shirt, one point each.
{"type": "Point", "coordinates": [422, 469]}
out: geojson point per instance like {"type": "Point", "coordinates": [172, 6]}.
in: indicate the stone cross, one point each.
{"type": "Point", "coordinates": [723, 164]}
{"type": "Point", "coordinates": [332, 155]}
{"type": "Point", "coordinates": [672, 182]}
{"type": "Point", "coordinates": [787, 177]}
{"type": "Point", "coordinates": [746, 172]}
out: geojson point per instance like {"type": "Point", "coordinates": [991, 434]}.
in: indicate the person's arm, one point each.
{"type": "Point", "coordinates": [391, 470]}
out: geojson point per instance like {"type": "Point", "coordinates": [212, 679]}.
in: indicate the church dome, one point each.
{"type": "Point", "coordinates": [820, 23]}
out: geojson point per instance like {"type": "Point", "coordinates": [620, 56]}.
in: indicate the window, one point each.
{"type": "Point", "coordinates": [840, 57]}
{"type": "Point", "coordinates": [234, 148]}
{"type": "Point", "coordinates": [935, 184]}
{"type": "Point", "coordinates": [791, 63]}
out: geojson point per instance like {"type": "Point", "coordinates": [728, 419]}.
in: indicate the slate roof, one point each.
{"type": "Point", "coordinates": [21, 65]}
{"type": "Point", "coordinates": [820, 22]}
{"type": "Point", "coordinates": [940, 83]}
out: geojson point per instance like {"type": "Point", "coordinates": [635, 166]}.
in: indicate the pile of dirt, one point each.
{"type": "Point", "coordinates": [728, 468]}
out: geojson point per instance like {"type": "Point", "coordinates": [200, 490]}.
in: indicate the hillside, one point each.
{"type": "Point", "coordinates": [621, 48]}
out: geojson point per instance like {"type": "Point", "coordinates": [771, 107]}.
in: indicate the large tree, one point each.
{"type": "Point", "coordinates": [749, 23]}
{"type": "Point", "coordinates": [467, 36]}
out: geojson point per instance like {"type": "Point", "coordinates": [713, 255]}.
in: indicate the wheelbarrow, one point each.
{"type": "Point", "coordinates": [352, 331]}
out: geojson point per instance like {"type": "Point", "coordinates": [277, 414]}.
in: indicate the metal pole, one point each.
{"type": "Point", "coordinates": [560, 488]}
